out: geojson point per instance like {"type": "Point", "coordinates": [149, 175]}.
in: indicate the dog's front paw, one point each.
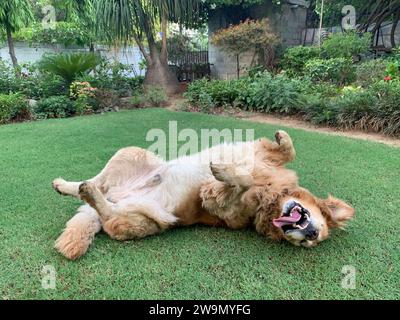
{"type": "Point", "coordinates": [231, 175]}
{"type": "Point", "coordinates": [282, 137]}
{"type": "Point", "coordinates": [221, 172]}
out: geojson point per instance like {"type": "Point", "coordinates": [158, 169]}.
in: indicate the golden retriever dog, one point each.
{"type": "Point", "coordinates": [138, 194]}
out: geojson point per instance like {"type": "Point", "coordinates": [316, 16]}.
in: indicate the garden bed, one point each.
{"type": "Point", "coordinates": [338, 85]}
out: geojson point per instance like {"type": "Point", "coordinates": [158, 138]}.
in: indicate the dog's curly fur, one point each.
{"type": "Point", "coordinates": [138, 194]}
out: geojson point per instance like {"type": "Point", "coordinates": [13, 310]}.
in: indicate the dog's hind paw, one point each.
{"type": "Point", "coordinates": [58, 186]}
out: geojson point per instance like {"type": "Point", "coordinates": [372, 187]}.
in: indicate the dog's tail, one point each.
{"type": "Point", "coordinates": [79, 233]}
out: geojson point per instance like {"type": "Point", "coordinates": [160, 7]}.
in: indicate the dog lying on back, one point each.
{"type": "Point", "coordinates": [138, 194]}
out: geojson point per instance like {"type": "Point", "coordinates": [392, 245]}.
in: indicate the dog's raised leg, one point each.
{"type": "Point", "coordinates": [66, 188]}
{"type": "Point", "coordinates": [232, 175]}
{"type": "Point", "coordinates": [281, 151]}
{"type": "Point", "coordinates": [285, 144]}
{"type": "Point", "coordinates": [125, 221]}
{"type": "Point", "coordinates": [93, 197]}
{"type": "Point", "coordinates": [125, 164]}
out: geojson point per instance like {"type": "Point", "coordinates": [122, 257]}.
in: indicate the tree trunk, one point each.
{"type": "Point", "coordinates": [11, 48]}
{"type": "Point", "coordinates": [164, 31]}
{"type": "Point", "coordinates": [159, 74]}
{"type": "Point", "coordinates": [393, 31]}
{"type": "Point", "coordinates": [238, 65]}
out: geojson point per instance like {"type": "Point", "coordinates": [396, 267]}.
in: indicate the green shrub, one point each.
{"type": "Point", "coordinates": [346, 45]}
{"type": "Point", "coordinates": [7, 78]}
{"type": "Point", "coordinates": [64, 33]}
{"type": "Point", "coordinates": [270, 93]}
{"type": "Point", "coordinates": [374, 109]}
{"type": "Point", "coordinates": [294, 59]}
{"type": "Point", "coordinates": [32, 83]}
{"type": "Point", "coordinates": [340, 71]}
{"type": "Point", "coordinates": [221, 92]}
{"type": "Point", "coordinates": [69, 65]}
{"type": "Point", "coordinates": [206, 102]}
{"type": "Point", "coordinates": [38, 86]}
{"type": "Point", "coordinates": [355, 108]}
{"type": "Point", "coordinates": [55, 107]}
{"type": "Point", "coordinates": [386, 117]}
{"type": "Point", "coordinates": [393, 71]}
{"type": "Point", "coordinates": [104, 100]}
{"type": "Point", "coordinates": [263, 92]}
{"type": "Point", "coordinates": [369, 72]}
{"type": "Point", "coordinates": [395, 56]}
{"type": "Point", "coordinates": [14, 107]}
{"type": "Point", "coordinates": [114, 76]}
{"type": "Point", "coordinates": [156, 96]}
{"type": "Point", "coordinates": [138, 100]}
{"type": "Point", "coordinates": [319, 110]}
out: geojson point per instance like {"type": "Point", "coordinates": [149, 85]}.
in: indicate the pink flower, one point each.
{"type": "Point", "coordinates": [387, 78]}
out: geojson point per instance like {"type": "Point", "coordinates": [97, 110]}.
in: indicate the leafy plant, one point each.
{"type": "Point", "coordinates": [55, 107]}
{"type": "Point", "coordinates": [369, 72]}
{"type": "Point", "coordinates": [138, 100]}
{"type": "Point", "coordinates": [346, 45]}
{"type": "Point", "coordinates": [263, 92]}
{"type": "Point", "coordinates": [69, 65]}
{"type": "Point", "coordinates": [340, 71]}
{"type": "Point", "coordinates": [110, 75]}
{"type": "Point", "coordinates": [295, 58]}
{"type": "Point", "coordinates": [156, 96]}
{"type": "Point", "coordinates": [14, 107]}
{"type": "Point", "coordinates": [205, 102]}
{"type": "Point", "coordinates": [270, 93]}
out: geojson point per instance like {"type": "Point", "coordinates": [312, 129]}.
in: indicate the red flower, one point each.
{"type": "Point", "coordinates": [388, 78]}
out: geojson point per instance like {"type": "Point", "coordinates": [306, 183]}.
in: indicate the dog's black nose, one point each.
{"type": "Point", "coordinates": [312, 234]}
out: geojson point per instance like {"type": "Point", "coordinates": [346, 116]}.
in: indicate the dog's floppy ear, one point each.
{"type": "Point", "coordinates": [336, 211]}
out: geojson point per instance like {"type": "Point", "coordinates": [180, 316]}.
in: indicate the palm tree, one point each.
{"type": "Point", "coordinates": [127, 20]}
{"type": "Point", "coordinates": [14, 15]}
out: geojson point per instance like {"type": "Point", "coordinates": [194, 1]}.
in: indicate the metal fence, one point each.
{"type": "Point", "coordinates": [192, 65]}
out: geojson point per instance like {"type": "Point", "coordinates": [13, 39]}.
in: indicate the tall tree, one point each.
{"type": "Point", "coordinates": [14, 15]}
{"type": "Point", "coordinates": [80, 12]}
{"type": "Point", "coordinates": [138, 20]}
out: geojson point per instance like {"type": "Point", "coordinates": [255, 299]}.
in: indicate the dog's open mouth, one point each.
{"type": "Point", "coordinates": [294, 216]}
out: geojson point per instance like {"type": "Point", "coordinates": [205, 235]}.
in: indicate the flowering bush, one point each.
{"type": "Point", "coordinates": [82, 93]}
{"type": "Point", "coordinates": [81, 90]}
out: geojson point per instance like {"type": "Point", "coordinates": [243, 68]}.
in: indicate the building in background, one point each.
{"type": "Point", "coordinates": [288, 21]}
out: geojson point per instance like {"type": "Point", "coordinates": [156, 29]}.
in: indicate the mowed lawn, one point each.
{"type": "Point", "coordinates": [196, 262]}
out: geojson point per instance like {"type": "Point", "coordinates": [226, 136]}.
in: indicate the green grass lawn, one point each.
{"type": "Point", "coordinates": [197, 262]}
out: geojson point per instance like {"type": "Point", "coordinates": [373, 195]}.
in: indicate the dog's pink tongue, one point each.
{"type": "Point", "coordinates": [283, 221]}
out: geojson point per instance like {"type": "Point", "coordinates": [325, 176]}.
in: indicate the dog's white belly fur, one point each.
{"type": "Point", "coordinates": [173, 182]}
